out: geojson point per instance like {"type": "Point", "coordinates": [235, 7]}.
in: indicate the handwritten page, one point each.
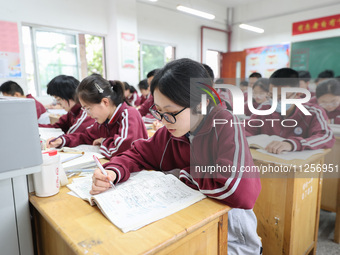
{"type": "Point", "coordinates": [146, 197]}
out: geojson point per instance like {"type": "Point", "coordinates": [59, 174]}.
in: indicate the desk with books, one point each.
{"type": "Point", "coordinates": [288, 206]}
{"type": "Point", "coordinates": [64, 224]}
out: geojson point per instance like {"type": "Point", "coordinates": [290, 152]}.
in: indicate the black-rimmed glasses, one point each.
{"type": "Point", "coordinates": [169, 117]}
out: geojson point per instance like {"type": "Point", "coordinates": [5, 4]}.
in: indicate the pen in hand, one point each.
{"type": "Point", "coordinates": [53, 140]}
{"type": "Point", "coordinates": [102, 169]}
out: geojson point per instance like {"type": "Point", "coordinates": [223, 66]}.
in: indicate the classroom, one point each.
{"type": "Point", "coordinates": [170, 127]}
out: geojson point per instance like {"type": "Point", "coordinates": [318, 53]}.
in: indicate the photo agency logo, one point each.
{"type": "Point", "coordinates": [279, 102]}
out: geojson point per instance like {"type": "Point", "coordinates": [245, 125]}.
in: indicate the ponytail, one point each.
{"type": "Point", "coordinates": [94, 88]}
{"type": "Point", "coordinates": [118, 89]}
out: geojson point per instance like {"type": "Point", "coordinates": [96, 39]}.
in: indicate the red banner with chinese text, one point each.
{"type": "Point", "coordinates": [316, 25]}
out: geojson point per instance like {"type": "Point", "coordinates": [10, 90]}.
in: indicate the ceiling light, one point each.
{"type": "Point", "coordinates": [153, 0]}
{"type": "Point", "coordinates": [251, 28]}
{"type": "Point", "coordinates": [195, 12]}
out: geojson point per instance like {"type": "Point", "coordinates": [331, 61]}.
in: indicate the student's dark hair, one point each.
{"type": "Point", "coordinates": [132, 89]}
{"type": "Point", "coordinates": [126, 85]}
{"type": "Point", "coordinates": [285, 77]}
{"type": "Point", "coordinates": [326, 74]}
{"type": "Point", "coordinates": [177, 81]}
{"type": "Point", "coordinates": [143, 84]}
{"type": "Point", "coordinates": [94, 88]}
{"type": "Point", "coordinates": [255, 75]}
{"type": "Point", "coordinates": [219, 81]}
{"type": "Point", "coordinates": [63, 86]}
{"type": "Point", "coordinates": [210, 71]}
{"type": "Point", "coordinates": [304, 76]}
{"type": "Point", "coordinates": [330, 86]}
{"type": "Point", "coordinates": [244, 83]}
{"type": "Point", "coordinates": [263, 83]}
{"type": "Point", "coordinates": [10, 87]}
{"type": "Point", "coordinates": [152, 73]}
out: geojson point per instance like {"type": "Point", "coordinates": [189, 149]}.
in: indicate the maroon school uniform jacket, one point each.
{"type": "Point", "coordinates": [222, 145]}
{"type": "Point", "coordinates": [39, 107]}
{"type": "Point", "coordinates": [119, 132]}
{"type": "Point", "coordinates": [144, 108]}
{"type": "Point", "coordinates": [134, 99]}
{"type": "Point", "coordinates": [76, 120]}
{"type": "Point", "coordinates": [333, 116]}
{"type": "Point", "coordinates": [311, 132]}
{"type": "Point", "coordinates": [247, 112]}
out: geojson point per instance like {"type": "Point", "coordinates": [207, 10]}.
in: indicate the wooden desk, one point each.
{"type": "Point", "coordinates": [288, 208]}
{"type": "Point", "coordinates": [68, 225]}
{"type": "Point", "coordinates": [330, 198]}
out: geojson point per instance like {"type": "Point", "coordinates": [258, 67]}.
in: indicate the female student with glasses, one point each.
{"type": "Point", "coordinates": [189, 141]}
{"type": "Point", "coordinates": [328, 97]}
{"type": "Point", "coordinates": [117, 124]}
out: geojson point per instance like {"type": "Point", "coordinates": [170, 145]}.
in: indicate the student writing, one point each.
{"type": "Point", "coordinates": [117, 124]}
{"type": "Point", "coordinates": [188, 140]}
{"type": "Point", "coordinates": [310, 132]}
{"type": "Point", "coordinates": [63, 89]}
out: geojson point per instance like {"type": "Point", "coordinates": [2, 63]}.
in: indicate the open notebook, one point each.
{"type": "Point", "coordinates": [146, 197]}
{"type": "Point", "coordinates": [261, 141]}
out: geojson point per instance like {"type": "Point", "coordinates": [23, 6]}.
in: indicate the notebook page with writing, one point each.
{"type": "Point", "coordinates": [146, 197]}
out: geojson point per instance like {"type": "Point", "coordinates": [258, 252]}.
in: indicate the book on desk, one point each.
{"type": "Point", "coordinates": [146, 197]}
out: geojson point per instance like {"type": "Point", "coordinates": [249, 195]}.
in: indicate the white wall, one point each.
{"type": "Point", "coordinates": [181, 30]}
{"type": "Point", "coordinates": [278, 28]}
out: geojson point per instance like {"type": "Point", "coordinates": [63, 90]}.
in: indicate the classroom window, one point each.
{"type": "Point", "coordinates": [49, 53]}
{"type": "Point", "coordinates": [213, 60]}
{"type": "Point", "coordinates": [152, 56]}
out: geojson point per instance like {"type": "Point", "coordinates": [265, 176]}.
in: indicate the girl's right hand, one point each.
{"type": "Point", "coordinates": [101, 182]}
{"type": "Point", "coordinates": [53, 142]}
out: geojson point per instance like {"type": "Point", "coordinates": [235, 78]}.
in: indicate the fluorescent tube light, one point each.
{"type": "Point", "coordinates": [153, 0]}
{"type": "Point", "coordinates": [195, 12]}
{"type": "Point", "coordinates": [251, 28]}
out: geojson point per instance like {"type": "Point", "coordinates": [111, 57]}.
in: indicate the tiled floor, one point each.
{"type": "Point", "coordinates": [326, 246]}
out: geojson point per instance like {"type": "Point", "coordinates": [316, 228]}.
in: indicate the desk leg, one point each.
{"type": "Point", "coordinates": [317, 218]}
{"type": "Point", "coordinates": [223, 235]}
{"type": "Point", "coordinates": [337, 221]}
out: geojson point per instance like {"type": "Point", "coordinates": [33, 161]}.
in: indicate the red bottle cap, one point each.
{"type": "Point", "coordinates": [51, 153]}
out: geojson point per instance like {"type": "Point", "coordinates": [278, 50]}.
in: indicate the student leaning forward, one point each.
{"type": "Point", "coordinates": [188, 139]}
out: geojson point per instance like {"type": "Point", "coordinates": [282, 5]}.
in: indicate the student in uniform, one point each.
{"type": "Point", "coordinates": [187, 140]}
{"type": "Point", "coordinates": [63, 89]}
{"type": "Point", "coordinates": [304, 80]}
{"type": "Point", "coordinates": [144, 88]}
{"type": "Point", "coordinates": [131, 95]}
{"type": "Point", "coordinates": [252, 79]}
{"type": "Point", "coordinates": [244, 86]}
{"type": "Point", "coordinates": [260, 94]}
{"type": "Point", "coordinates": [13, 89]}
{"type": "Point", "coordinates": [328, 97]}
{"type": "Point", "coordinates": [311, 131]}
{"type": "Point", "coordinates": [117, 124]}
{"type": "Point", "coordinates": [144, 107]}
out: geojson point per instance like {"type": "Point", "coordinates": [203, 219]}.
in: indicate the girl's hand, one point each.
{"type": "Point", "coordinates": [53, 142]}
{"type": "Point", "coordinates": [98, 141]}
{"type": "Point", "coordinates": [100, 182]}
{"type": "Point", "coordinates": [278, 147]}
